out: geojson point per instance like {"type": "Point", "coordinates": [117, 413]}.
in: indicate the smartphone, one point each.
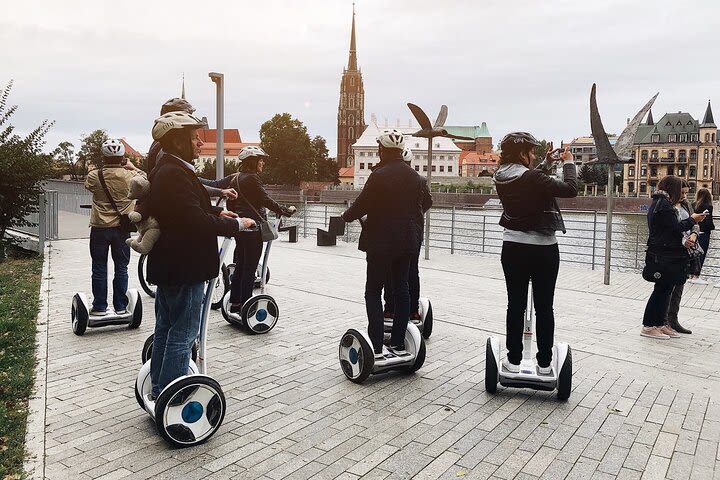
{"type": "Point", "coordinates": [706, 212]}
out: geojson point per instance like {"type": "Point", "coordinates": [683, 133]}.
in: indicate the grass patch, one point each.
{"type": "Point", "coordinates": [19, 289]}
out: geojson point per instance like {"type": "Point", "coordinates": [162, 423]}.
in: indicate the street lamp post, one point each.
{"type": "Point", "coordinates": [219, 80]}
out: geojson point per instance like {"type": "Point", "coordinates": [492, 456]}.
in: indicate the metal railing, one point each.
{"type": "Point", "coordinates": [43, 223]}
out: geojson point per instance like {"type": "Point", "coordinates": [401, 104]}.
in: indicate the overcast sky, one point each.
{"type": "Point", "coordinates": [517, 65]}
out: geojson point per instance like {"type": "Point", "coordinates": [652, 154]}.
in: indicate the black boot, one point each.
{"type": "Point", "coordinates": [675, 325]}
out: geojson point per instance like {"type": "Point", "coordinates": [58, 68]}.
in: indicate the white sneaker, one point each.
{"type": "Point", "coordinates": [98, 313]}
{"type": "Point", "coordinates": [545, 370]}
{"type": "Point", "coordinates": [398, 352]}
{"type": "Point", "coordinates": [510, 367]}
{"type": "Point", "coordinates": [698, 281]}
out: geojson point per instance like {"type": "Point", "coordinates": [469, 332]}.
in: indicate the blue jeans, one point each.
{"type": "Point", "coordinates": [177, 323]}
{"type": "Point", "coordinates": [100, 240]}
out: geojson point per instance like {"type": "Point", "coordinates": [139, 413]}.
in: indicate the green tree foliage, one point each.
{"type": "Point", "coordinates": [23, 167]}
{"type": "Point", "coordinates": [64, 156]}
{"type": "Point", "coordinates": [292, 156]}
{"type": "Point", "coordinates": [597, 174]}
{"type": "Point", "coordinates": [90, 153]}
{"type": "Point", "coordinates": [208, 169]}
{"type": "Point", "coordinates": [540, 152]}
{"type": "Point", "coordinates": [326, 169]}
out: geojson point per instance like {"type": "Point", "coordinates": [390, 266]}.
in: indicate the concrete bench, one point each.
{"type": "Point", "coordinates": [327, 238]}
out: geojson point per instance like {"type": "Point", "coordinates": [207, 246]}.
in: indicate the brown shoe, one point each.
{"type": "Point", "coordinates": [653, 332]}
{"type": "Point", "coordinates": [669, 331]}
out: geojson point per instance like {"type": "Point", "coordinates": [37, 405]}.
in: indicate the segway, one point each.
{"type": "Point", "coordinates": [191, 408]}
{"type": "Point", "coordinates": [425, 323]}
{"type": "Point", "coordinates": [260, 313]}
{"type": "Point", "coordinates": [81, 318]}
{"type": "Point", "coordinates": [529, 376]}
{"type": "Point", "coordinates": [357, 358]}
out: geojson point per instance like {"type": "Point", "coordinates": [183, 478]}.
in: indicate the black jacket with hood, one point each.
{"type": "Point", "coordinates": [394, 199]}
{"type": "Point", "coordinates": [665, 230]}
{"type": "Point", "coordinates": [528, 197]}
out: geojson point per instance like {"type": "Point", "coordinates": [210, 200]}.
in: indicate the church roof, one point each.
{"type": "Point", "coordinates": [708, 120]}
{"type": "Point", "coordinates": [670, 123]}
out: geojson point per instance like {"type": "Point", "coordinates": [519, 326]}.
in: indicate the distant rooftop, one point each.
{"type": "Point", "coordinates": [469, 131]}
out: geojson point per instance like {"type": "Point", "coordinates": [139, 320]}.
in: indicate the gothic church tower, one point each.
{"type": "Point", "coordinates": [351, 109]}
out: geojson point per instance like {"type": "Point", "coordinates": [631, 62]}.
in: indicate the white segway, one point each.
{"type": "Point", "coordinates": [425, 324]}
{"type": "Point", "coordinates": [191, 408]}
{"type": "Point", "coordinates": [358, 360]}
{"type": "Point", "coordinates": [529, 377]}
{"type": "Point", "coordinates": [81, 318]}
{"type": "Point", "coordinates": [260, 313]}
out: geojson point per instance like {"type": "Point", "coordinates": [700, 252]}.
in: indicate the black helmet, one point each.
{"type": "Point", "coordinates": [176, 105]}
{"type": "Point", "coordinates": [518, 139]}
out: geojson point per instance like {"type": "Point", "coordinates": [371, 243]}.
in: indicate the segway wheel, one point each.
{"type": "Point", "coordinates": [419, 358]}
{"type": "Point", "coordinates": [356, 356]}
{"type": "Point", "coordinates": [491, 370]}
{"type": "Point", "coordinates": [79, 316]}
{"type": "Point", "coordinates": [190, 410]}
{"type": "Point", "coordinates": [428, 324]}
{"type": "Point", "coordinates": [222, 286]}
{"type": "Point", "coordinates": [146, 353]}
{"type": "Point", "coordinates": [260, 313]}
{"type": "Point", "coordinates": [148, 288]}
{"type": "Point", "coordinates": [564, 385]}
{"type": "Point", "coordinates": [137, 314]}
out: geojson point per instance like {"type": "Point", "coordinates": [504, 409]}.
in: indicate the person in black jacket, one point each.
{"type": "Point", "coordinates": [531, 217]}
{"type": "Point", "coordinates": [251, 202]}
{"type": "Point", "coordinates": [186, 254]}
{"type": "Point", "coordinates": [665, 241]}
{"type": "Point", "coordinates": [392, 200]}
{"type": "Point", "coordinates": [703, 202]}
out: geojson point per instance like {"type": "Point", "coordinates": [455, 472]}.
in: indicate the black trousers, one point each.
{"type": "Point", "coordinates": [248, 248]}
{"type": "Point", "coordinates": [656, 310]}
{"type": "Point", "coordinates": [377, 268]}
{"type": "Point", "coordinates": [413, 284]}
{"type": "Point", "coordinates": [522, 263]}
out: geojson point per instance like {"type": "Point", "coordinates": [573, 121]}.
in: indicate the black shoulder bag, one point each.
{"type": "Point", "coordinates": [268, 233]}
{"type": "Point", "coordinates": [125, 224]}
{"type": "Point", "coordinates": [664, 267]}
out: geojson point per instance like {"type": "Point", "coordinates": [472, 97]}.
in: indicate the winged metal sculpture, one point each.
{"type": "Point", "coordinates": [431, 131]}
{"type": "Point", "coordinates": [610, 156]}
{"type": "Point", "coordinates": [620, 153]}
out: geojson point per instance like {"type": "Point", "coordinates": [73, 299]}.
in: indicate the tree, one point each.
{"type": "Point", "coordinates": [326, 169]}
{"type": "Point", "coordinates": [540, 152]}
{"type": "Point", "coordinates": [208, 169]}
{"type": "Point", "coordinates": [90, 151]}
{"type": "Point", "coordinates": [23, 168]}
{"type": "Point", "coordinates": [286, 141]}
{"type": "Point", "coordinates": [596, 174]}
{"type": "Point", "coordinates": [64, 154]}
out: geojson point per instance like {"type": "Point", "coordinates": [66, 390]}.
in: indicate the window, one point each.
{"type": "Point", "coordinates": [712, 137]}
{"type": "Point", "coordinates": [654, 154]}
{"type": "Point", "coordinates": [417, 145]}
{"type": "Point", "coordinates": [692, 187]}
{"type": "Point", "coordinates": [351, 120]}
{"type": "Point", "coordinates": [352, 81]}
{"type": "Point", "coordinates": [653, 171]}
{"type": "Point", "coordinates": [681, 171]}
{"type": "Point", "coordinates": [671, 155]}
{"type": "Point", "coordinates": [672, 138]}
{"type": "Point", "coordinates": [362, 166]}
{"type": "Point", "coordinates": [352, 102]}
{"type": "Point", "coordinates": [351, 133]}
{"type": "Point", "coordinates": [437, 145]}
{"type": "Point", "coordinates": [682, 155]}
{"type": "Point", "coordinates": [692, 171]}
{"type": "Point", "coordinates": [631, 187]}
{"type": "Point", "coordinates": [442, 157]}
{"type": "Point", "coordinates": [707, 137]}
{"type": "Point", "coordinates": [442, 168]}
{"type": "Point", "coordinates": [362, 154]}
{"type": "Point", "coordinates": [655, 138]}
{"type": "Point", "coordinates": [705, 171]}
{"type": "Point", "coordinates": [644, 155]}
{"type": "Point", "coordinates": [706, 154]}
{"type": "Point", "coordinates": [424, 168]}
{"type": "Point", "coordinates": [693, 155]}
{"type": "Point", "coordinates": [683, 137]}
{"type": "Point", "coordinates": [643, 170]}
{"type": "Point", "coordinates": [417, 168]}
{"type": "Point", "coordinates": [433, 168]}
{"type": "Point", "coordinates": [631, 171]}
{"type": "Point", "coordinates": [671, 170]}
{"type": "Point", "coordinates": [370, 166]}
{"type": "Point", "coordinates": [643, 187]}
{"type": "Point", "coordinates": [449, 168]}
{"type": "Point", "coordinates": [693, 137]}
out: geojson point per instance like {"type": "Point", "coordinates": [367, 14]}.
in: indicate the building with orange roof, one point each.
{"type": "Point", "coordinates": [347, 176]}
{"type": "Point", "coordinates": [130, 150]}
{"type": "Point", "coordinates": [209, 135]}
{"type": "Point", "coordinates": [474, 164]}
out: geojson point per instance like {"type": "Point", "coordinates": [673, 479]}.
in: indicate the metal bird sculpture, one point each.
{"type": "Point", "coordinates": [431, 131]}
{"type": "Point", "coordinates": [607, 155]}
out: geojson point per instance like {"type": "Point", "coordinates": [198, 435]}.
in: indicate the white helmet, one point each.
{"type": "Point", "coordinates": [173, 121]}
{"type": "Point", "coordinates": [391, 138]}
{"type": "Point", "coordinates": [251, 151]}
{"type": "Point", "coordinates": [407, 154]}
{"type": "Point", "coordinates": [112, 148]}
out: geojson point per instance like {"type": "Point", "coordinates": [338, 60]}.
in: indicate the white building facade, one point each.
{"type": "Point", "coordinates": [444, 162]}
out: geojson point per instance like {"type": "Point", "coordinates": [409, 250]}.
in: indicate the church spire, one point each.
{"type": "Point", "coordinates": [708, 120]}
{"type": "Point", "coordinates": [182, 95]}
{"type": "Point", "coordinates": [352, 60]}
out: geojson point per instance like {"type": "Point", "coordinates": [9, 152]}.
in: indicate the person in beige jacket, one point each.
{"type": "Point", "coordinates": [105, 231]}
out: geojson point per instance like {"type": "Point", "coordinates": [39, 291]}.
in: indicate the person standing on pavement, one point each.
{"type": "Point", "coordinates": [105, 230]}
{"type": "Point", "coordinates": [531, 217]}
{"type": "Point", "coordinates": [703, 202]}
{"type": "Point", "coordinates": [186, 254]}
{"type": "Point", "coordinates": [392, 202]}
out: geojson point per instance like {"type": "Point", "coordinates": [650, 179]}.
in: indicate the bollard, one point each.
{"type": "Point", "coordinates": [452, 232]}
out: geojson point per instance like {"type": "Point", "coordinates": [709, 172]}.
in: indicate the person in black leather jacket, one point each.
{"type": "Point", "coordinates": [392, 200]}
{"type": "Point", "coordinates": [530, 252]}
{"type": "Point", "coordinates": [251, 202]}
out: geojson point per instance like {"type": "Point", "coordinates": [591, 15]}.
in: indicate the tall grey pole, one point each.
{"type": "Point", "coordinates": [608, 220]}
{"type": "Point", "coordinates": [427, 214]}
{"type": "Point", "coordinates": [219, 80]}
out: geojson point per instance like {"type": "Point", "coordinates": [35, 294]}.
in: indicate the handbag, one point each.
{"type": "Point", "coordinates": [268, 233]}
{"type": "Point", "coordinates": [126, 225]}
{"type": "Point", "coordinates": [665, 268]}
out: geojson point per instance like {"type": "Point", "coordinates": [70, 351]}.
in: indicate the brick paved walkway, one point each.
{"type": "Point", "coordinates": [639, 408]}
